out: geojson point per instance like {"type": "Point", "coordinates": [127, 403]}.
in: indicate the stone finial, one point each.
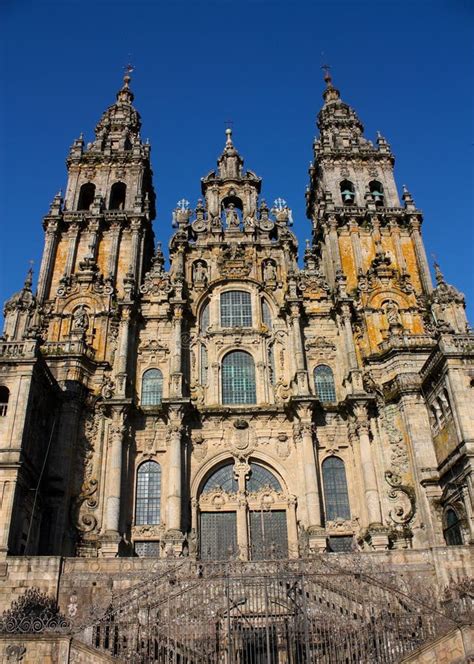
{"type": "Point", "coordinates": [438, 273]}
{"type": "Point", "coordinates": [408, 199]}
{"type": "Point", "coordinates": [228, 140]}
{"type": "Point", "coordinates": [331, 93]}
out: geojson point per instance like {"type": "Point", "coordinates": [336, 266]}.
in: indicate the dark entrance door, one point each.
{"type": "Point", "coordinates": [268, 535]}
{"type": "Point", "coordinates": [218, 540]}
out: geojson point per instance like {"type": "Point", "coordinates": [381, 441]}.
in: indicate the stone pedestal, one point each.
{"type": "Point", "coordinates": [173, 541]}
{"type": "Point", "coordinates": [317, 540]}
{"type": "Point", "coordinates": [110, 544]}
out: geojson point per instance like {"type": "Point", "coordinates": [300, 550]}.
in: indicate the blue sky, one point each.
{"type": "Point", "coordinates": [406, 67]}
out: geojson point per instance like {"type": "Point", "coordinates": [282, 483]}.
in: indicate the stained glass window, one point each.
{"type": "Point", "coordinates": [152, 387]}
{"type": "Point", "coordinates": [324, 383]}
{"type": "Point", "coordinates": [223, 478]}
{"type": "Point", "coordinates": [236, 309]}
{"type": "Point", "coordinates": [147, 510]}
{"type": "Point", "coordinates": [452, 531]}
{"type": "Point", "coordinates": [336, 497]}
{"type": "Point", "coordinates": [260, 477]}
{"type": "Point", "coordinates": [238, 378]}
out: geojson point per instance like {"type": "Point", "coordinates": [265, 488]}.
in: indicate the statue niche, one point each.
{"type": "Point", "coordinates": [269, 273]}
{"type": "Point", "coordinates": [200, 274]}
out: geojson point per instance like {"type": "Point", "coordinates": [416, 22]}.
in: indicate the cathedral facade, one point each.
{"type": "Point", "coordinates": [234, 406]}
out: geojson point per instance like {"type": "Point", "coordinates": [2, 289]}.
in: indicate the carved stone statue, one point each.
{"type": "Point", "coordinates": [200, 273]}
{"type": "Point", "coordinates": [80, 321]}
{"type": "Point", "coordinates": [392, 313]}
{"type": "Point", "coordinates": [231, 217]}
{"type": "Point", "coordinates": [269, 272]}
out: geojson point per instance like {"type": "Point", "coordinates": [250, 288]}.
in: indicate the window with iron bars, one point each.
{"type": "Point", "coordinates": [236, 309]}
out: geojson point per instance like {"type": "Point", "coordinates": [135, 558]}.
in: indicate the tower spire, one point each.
{"type": "Point", "coordinates": [331, 93]}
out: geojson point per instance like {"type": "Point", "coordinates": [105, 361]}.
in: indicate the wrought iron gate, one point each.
{"type": "Point", "coordinates": [287, 612]}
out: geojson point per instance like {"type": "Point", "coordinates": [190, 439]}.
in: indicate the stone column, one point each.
{"type": "Point", "coordinates": [242, 527]}
{"type": "Point", "coordinates": [73, 234]}
{"type": "Point", "coordinates": [395, 232]}
{"type": "Point", "coordinates": [348, 337]}
{"type": "Point", "coordinates": [334, 244]}
{"type": "Point", "coordinates": [176, 352]}
{"type": "Point", "coordinates": [174, 537]}
{"type": "Point", "coordinates": [317, 538]}
{"type": "Point", "coordinates": [122, 355]}
{"type": "Point", "coordinates": [113, 485]}
{"type": "Point", "coordinates": [378, 534]}
{"type": "Point", "coordinates": [420, 254]}
{"type": "Point", "coordinates": [8, 482]}
{"type": "Point", "coordinates": [49, 252]}
{"type": "Point", "coordinates": [114, 234]}
{"type": "Point", "coordinates": [291, 524]}
{"type": "Point", "coordinates": [136, 226]}
{"type": "Point", "coordinates": [301, 374]}
{"type": "Point", "coordinates": [356, 248]}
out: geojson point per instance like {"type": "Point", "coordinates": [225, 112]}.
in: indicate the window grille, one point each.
{"type": "Point", "coordinates": [452, 531]}
{"type": "Point", "coordinates": [204, 365]}
{"type": "Point", "coordinates": [266, 315]}
{"type": "Point", "coordinates": [336, 497]}
{"type": "Point", "coordinates": [236, 309]}
{"type": "Point", "coordinates": [147, 549]}
{"type": "Point", "coordinates": [340, 543]}
{"type": "Point", "coordinates": [147, 510]}
{"type": "Point", "coordinates": [223, 479]}
{"type": "Point", "coordinates": [205, 317]}
{"type": "Point", "coordinates": [324, 383]}
{"type": "Point", "coordinates": [260, 477]}
{"type": "Point", "coordinates": [238, 378]}
{"type": "Point", "coordinates": [152, 387]}
{"type": "Point", "coordinates": [218, 539]}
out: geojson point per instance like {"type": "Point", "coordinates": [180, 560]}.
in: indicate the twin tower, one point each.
{"type": "Point", "coordinates": [236, 405]}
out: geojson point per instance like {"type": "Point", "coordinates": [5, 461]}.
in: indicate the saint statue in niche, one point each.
{"type": "Point", "coordinates": [80, 321]}
{"type": "Point", "coordinates": [231, 217]}
{"type": "Point", "coordinates": [269, 272]}
{"type": "Point", "coordinates": [200, 273]}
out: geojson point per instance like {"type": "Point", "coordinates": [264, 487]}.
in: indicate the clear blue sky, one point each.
{"type": "Point", "coordinates": [406, 67]}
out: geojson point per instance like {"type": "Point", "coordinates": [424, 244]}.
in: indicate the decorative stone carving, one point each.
{"type": "Point", "coordinates": [235, 262]}
{"type": "Point", "coordinates": [404, 498]}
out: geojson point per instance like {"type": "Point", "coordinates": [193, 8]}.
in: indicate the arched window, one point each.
{"type": "Point", "coordinates": [204, 319]}
{"type": "Point", "coordinates": [452, 530]}
{"type": "Point", "coordinates": [86, 196]}
{"type": "Point", "coordinates": [324, 383]}
{"type": "Point", "coordinates": [376, 189]}
{"type": "Point", "coordinates": [261, 478]}
{"type": "Point", "coordinates": [336, 498]}
{"type": "Point", "coordinates": [347, 192]}
{"type": "Point", "coordinates": [236, 309]}
{"type": "Point", "coordinates": [223, 478]}
{"type": "Point", "coordinates": [204, 365]}
{"type": "Point", "coordinates": [147, 505]}
{"type": "Point", "coordinates": [238, 378]}
{"type": "Point", "coordinates": [152, 387]}
{"type": "Point", "coordinates": [266, 315]}
{"type": "Point", "coordinates": [4, 398]}
{"type": "Point", "coordinates": [117, 196]}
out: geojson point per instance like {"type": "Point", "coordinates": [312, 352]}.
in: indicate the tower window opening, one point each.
{"type": "Point", "coordinates": [147, 509]}
{"type": "Point", "coordinates": [4, 398]}
{"type": "Point", "coordinates": [452, 530]}
{"type": "Point", "coordinates": [376, 189]}
{"type": "Point", "coordinates": [238, 378]}
{"type": "Point", "coordinates": [204, 318]}
{"type": "Point", "coordinates": [117, 196]}
{"type": "Point", "coordinates": [152, 387]}
{"type": "Point", "coordinates": [347, 192]}
{"type": "Point", "coordinates": [86, 196]}
{"type": "Point", "coordinates": [324, 383]}
{"type": "Point", "coordinates": [236, 309]}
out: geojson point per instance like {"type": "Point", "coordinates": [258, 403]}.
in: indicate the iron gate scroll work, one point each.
{"type": "Point", "coordinates": [272, 612]}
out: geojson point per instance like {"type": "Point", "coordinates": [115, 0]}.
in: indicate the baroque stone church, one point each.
{"type": "Point", "coordinates": [235, 404]}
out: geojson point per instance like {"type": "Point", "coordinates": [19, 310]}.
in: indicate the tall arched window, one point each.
{"type": "Point", "coordinates": [452, 530]}
{"type": "Point", "coordinates": [324, 383]}
{"type": "Point", "coordinates": [117, 196]}
{"type": "Point", "coordinates": [204, 318]}
{"type": "Point", "coordinates": [147, 505]}
{"type": "Point", "coordinates": [347, 192]}
{"type": "Point", "coordinates": [152, 387]}
{"type": "Point", "coordinates": [266, 315]}
{"type": "Point", "coordinates": [4, 398]}
{"type": "Point", "coordinates": [86, 196]}
{"type": "Point", "coordinates": [336, 498]}
{"type": "Point", "coordinates": [223, 478]}
{"type": "Point", "coordinates": [376, 189]}
{"type": "Point", "coordinates": [236, 309]}
{"type": "Point", "coordinates": [238, 378]}
{"type": "Point", "coordinates": [204, 364]}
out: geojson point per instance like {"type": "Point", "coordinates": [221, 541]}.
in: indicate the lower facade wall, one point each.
{"type": "Point", "coordinates": [455, 647]}
{"type": "Point", "coordinates": [48, 649]}
{"type": "Point", "coordinates": [80, 584]}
